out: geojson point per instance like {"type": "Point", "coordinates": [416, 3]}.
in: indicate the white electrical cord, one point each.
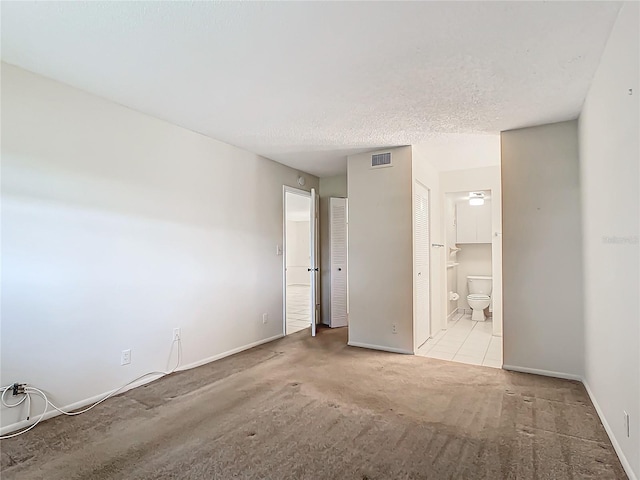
{"type": "Point", "coordinates": [26, 396]}
{"type": "Point", "coordinates": [29, 390]}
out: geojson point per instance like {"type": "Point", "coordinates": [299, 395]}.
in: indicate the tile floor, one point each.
{"type": "Point", "coordinates": [465, 341]}
{"type": "Point", "coordinates": [298, 308]}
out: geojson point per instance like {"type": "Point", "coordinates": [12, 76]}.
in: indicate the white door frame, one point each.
{"type": "Point", "coordinates": [296, 191]}
{"type": "Point", "coordinates": [314, 270]}
{"type": "Point", "coordinates": [496, 254]}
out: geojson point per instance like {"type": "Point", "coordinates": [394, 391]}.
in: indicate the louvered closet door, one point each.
{"type": "Point", "coordinates": [338, 239]}
{"type": "Point", "coordinates": [421, 260]}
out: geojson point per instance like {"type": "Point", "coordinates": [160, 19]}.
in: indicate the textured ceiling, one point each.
{"type": "Point", "coordinates": [307, 83]}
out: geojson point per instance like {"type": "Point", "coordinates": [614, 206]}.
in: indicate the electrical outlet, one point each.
{"type": "Point", "coordinates": [627, 425]}
{"type": "Point", "coordinates": [176, 334]}
{"type": "Point", "coordinates": [265, 317]}
{"type": "Point", "coordinates": [18, 389]}
{"type": "Point", "coordinates": [394, 328]}
{"type": "Point", "coordinates": [125, 359]}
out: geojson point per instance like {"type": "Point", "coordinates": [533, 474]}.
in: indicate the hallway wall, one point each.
{"type": "Point", "coordinates": [380, 252]}
{"type": "Point", "coordinates": [118, 227]}
{"type": "Point", "coordinates": [542, 254]}
{"type": "Point", "coordinates": [335, 186]}
{"type": "Point", "coordinates": [610, 176]}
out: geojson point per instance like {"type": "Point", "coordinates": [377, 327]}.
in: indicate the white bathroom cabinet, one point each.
{"type": "Point", "coordinates": [473, 223]}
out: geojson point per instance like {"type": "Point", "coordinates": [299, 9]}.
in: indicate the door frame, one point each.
{"type": "Point", "coordinates": [496, 253]}
{"type": "Point", "coordinates": [295, 191]}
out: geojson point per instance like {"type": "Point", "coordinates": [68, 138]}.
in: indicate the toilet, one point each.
{"type": "Point", "coordinates": [479, 296]}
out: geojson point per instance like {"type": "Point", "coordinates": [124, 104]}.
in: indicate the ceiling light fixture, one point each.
{"type": "Point", "coordinates": [476, 198]}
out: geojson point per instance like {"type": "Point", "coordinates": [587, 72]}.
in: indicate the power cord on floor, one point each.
{"type": "Point", "coordinates": [27, 391]}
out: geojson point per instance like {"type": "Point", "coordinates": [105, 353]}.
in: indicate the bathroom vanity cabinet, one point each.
{"type": "Point", "coordinates": [473, 222]}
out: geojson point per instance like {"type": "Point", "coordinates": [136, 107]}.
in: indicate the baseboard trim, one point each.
{"type": "Point", "coordinates": [455, 312]}
{"type": "Point", "coordinates": [88, 401]}
{"type": "Point", "coordinates": [616, 446]}
{"type": "Point", "coordinates": [379, 347]}
{"type": "Point", "coordinates": [228, 353]}
{"type": "Point", "coordinates": [73, 406]}
{"type": "Point", "coordinates": [545, 373]}
{"type": "Point", "coordinates": [567, 376]}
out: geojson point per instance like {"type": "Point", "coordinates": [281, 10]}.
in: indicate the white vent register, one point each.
{"type": "Point", "coordinates": [381, 160]}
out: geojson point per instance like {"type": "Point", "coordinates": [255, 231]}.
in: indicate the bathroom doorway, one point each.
{"type": "Point", "coordinates": [298, 244]}
{"type": "Point", "coordinates": [472, 330]}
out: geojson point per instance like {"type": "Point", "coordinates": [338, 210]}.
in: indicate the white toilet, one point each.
{"type": "Point", "coordinates": [479, 296]}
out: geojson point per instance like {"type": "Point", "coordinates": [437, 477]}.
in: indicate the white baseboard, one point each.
{"type": "Point", "coordinates": [568, 376]}
{"type": "Point", "coordinates": [455, 312]}
{"type": "Point", "coordinates": [616, 446]}
{"type": "Point", "coordinates": [73, 406]}
{"type": "Point", "coordinates": [228, 353]}
{"type": "Point", "coordinates": [379, 347]}
{"type": "Point", "coordinates": [88, 401]}
{"type": "Point", "coordinates": [546, 373]}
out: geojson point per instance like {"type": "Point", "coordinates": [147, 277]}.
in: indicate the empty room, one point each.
{"type": "Point", "coordinates": [320, 240]}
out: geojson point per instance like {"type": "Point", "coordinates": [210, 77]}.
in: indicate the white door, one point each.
{"type": "Point", "coordinates": [314, 270]}
{"type": "Point", "coordinates": [421, 263]}
{"type": "Point", "coordinates": [338, 245]}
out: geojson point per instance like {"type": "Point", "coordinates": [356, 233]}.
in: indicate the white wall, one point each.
{"type": "Point", "coordinates": [452, 286]}
{"type": "Point", "coordinates": [118, 227]}
{"type": "Point", "coordinates": [298, 253]}
{"type": "Point", "coordinates": [486, 178]}
{"type": "Point", "coordinates": [474, 259]}
{"type": "Point", "coordinates": [542, 254]}
{"type": "Point", "coordinates": [461, 151]}
{"type": "Point", "coordinates": [380, 252]}
{"type": "Point", "coordinates": [335, 186]}
{"type": "Point", "coordinates": [424, 172]}
{"type": "Point", "coordinates": [609, 157]}
{"type": "Point", "coordinates": [449, 220]}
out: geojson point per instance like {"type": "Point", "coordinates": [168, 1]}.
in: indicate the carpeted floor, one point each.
{"type": "Point", "coordinates": [313, 408]}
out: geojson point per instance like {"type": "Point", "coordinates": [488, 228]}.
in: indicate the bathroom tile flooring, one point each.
{"type": "Point", "coordinates": [298, 308]}
{"type": "Point", "coordinates": [465, 341]}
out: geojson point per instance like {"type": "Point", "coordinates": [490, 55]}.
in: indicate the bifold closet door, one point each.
{"type": "Point", "coordinates": [421, 263]}
{"type": "Point", "coordinates": [338, 246]}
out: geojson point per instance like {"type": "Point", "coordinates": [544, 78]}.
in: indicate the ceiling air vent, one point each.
{"type": "Point", "coordinates": [381, 160]}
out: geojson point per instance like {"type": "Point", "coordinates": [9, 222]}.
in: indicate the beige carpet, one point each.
{"type": "Point", "coordinates": [303, 408]}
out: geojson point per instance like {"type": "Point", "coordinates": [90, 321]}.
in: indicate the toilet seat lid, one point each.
{"type": "Point", "coordinates": [478, 296]}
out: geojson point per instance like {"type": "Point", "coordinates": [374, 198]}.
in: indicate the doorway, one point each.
{"type": "Point", "coordinates": [300, 253]}
{"type": "Point", "coordinates": [472, 245]}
